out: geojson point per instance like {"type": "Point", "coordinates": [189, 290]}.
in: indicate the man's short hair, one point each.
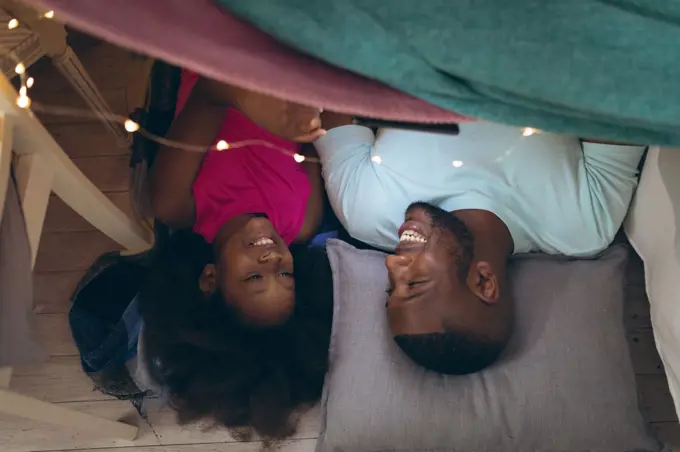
{"type": "Point", "coordinates": [451, 352]}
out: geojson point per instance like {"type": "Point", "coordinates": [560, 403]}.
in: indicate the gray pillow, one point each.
{"type": "Point", "coordinates": [566, 382]}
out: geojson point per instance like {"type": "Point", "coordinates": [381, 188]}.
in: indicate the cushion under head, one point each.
{"type": "Point", "coordinates": [565, 383]}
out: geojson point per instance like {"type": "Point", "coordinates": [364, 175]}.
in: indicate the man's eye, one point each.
{"type": "Point", "coordinates": [254, 277]}
{"type": "Point", "coordinates": [288, 274]}
{"type": "Point", "coordinates": [414, 283]}
{"type": "Point", "coordinates": [389, 291]}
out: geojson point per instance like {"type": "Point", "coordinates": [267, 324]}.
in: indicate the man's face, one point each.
{"type": "Point", "coordinates": [428, 270]}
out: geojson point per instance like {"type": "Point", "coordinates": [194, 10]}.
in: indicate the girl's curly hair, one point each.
{"type": "Point", "coordinates": [216, 367]}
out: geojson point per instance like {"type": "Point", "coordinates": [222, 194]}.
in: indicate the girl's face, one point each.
{"type": "Point", "coordinates": [254, 271]}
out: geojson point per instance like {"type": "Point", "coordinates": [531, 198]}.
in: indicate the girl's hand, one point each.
{"type": "Point", "coordinates": [288, 120]}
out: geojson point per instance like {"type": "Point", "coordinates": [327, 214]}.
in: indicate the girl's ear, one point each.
{"type": "Point", "coordinates": [207, 282]}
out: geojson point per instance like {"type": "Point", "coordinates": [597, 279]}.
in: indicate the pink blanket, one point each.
{"type": "Point", "coordinates": [197, 35]}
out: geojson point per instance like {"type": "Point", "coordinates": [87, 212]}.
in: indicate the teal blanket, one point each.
{"type": "Point", "coordinates": [606, 69]}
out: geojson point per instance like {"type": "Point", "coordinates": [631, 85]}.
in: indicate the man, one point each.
{"type": "Point", "coordinates": [470, 201]}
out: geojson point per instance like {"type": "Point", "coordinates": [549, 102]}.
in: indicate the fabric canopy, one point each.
{"type": "Point", "coordinates": [593, 68]}
{"type": "Point", "coordinates": [198, 35]}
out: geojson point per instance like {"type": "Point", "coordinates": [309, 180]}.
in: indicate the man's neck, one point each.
{"type": "Point", "coordinates": [493, 241]}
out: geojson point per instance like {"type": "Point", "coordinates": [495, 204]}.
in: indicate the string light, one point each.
{"type": "Point", "coordinates": [457, 163]}
{"type": "Point", "coordinates": [222, 145]}
{"type": "Point", "coordinates": [131, 126]}
{"type": "Point", "coordinates": [299, 157]}
{"type": "Point", "coordinates": [23, 101]}
{"type": "Point", "coordinates": [376, 159]}
{"type": "Point", "coordinates": [528, 131]}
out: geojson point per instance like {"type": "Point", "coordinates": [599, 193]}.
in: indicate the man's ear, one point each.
{"type": "Point", "coordinates": [483, 283]}
{"type": "Point", "coordinates": [207, 282]}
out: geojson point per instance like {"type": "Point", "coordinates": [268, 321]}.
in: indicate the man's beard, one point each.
{"type": "Point", "coordinates": [456, 231]}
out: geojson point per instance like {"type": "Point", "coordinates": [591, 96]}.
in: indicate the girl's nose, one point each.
{"type": "Point", "coordinates": [270, 256]}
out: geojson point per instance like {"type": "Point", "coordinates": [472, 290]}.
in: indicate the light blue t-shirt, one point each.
{"type": "Point", "coordinates": [554, 193]}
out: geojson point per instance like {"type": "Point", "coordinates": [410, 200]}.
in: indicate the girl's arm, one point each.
{"type": "Point", "coordinates": [314, 212]}
{"type": "Point", "coordinates": [288, 120]}
{"type": "Point", "coordinates": [174, 170]}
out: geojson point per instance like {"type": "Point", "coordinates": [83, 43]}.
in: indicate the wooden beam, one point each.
{"type": "Point", "coordinates": [5, 158]}
{"type": "Point", "coordinates": [27, 407]}
{"type": "Point", "coordinates": [34, 185]}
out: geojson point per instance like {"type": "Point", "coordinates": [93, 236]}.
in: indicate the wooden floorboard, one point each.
{"type": "Point", "coordinates": [55, 335]}
{"type": "Point", "coordinates": [71, 251]}
{"type": "Point", "coordinates": [643, 352]}
{"type": "Point", "coordinates": [52, 291]}
{"type": "Point", "coordinates": [21, 435]}
{"type": "Point", "coordinates": [86, 139]}
{"type": "Point", "coordinates": [110, 173]}
{"type": "Point", "coordinates": [60, 379]}
{"type": "Point", "coordinates": [115, 98]}
{"type": "Point", "coordinates": [655, 399]}
{"type": "Point", "coordinates": [668, 432]}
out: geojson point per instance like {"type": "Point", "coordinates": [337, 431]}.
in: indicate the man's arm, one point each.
{"type": "Point", "coordinates": [345, 153]}
{"type": "Point", "coordinates": [611, 172]}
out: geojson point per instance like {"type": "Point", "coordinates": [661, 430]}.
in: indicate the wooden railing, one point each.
{"type": "Point", "coordinates": [41, 167]}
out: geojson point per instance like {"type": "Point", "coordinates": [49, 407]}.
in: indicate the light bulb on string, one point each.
{"type": "Point", "coordinates": [528, 131]}
{"type": "Point", "coordinates": [49, 15]}
{"type": "Point", "coordinates": [23, 101]}
{"type": "Point", "coordinates": [23, 91]}
{"type": "Point", "coordinates": [20, 68]}
{"type": "Point", "coordinates": [29, 82]}
{"type": "Point", "coordinates": [376, 159]}
{"type": "Point", "coordinates": [131, 126]}
{"type": "Point", "coordinates": [12, 24]}
{"type": "Point", "coordinates": [222, 145]}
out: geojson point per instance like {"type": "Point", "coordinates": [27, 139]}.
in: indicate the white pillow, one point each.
{"type": "Point", "coordinates": [651, 227]}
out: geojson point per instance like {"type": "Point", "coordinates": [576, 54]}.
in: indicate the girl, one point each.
{"type": "Point", "coordinates": [227, 333]}
{"type": "Point", "coordinates": [250, 203]}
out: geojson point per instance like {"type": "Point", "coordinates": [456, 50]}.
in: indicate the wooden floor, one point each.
{"type": "Point", "coordinates": [70, 244]}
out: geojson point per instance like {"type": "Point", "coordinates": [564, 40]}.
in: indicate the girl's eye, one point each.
{"type": "Point", "coordinates": [389, 292]}
{"type": "Point", "coordinates": [253, 277]}
{"type": "Point", "coordinates": [288, 274]}
{"type": "Point", "coordinates": [414, 283]}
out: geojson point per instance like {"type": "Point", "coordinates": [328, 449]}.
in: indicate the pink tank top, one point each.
{"type": "Point", "coordinates": [251, 179]}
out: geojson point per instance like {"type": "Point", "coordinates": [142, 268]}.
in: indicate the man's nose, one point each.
{"type": "Point", "coordinates": [396, 263]}
{"type": "Point", "coordinates": [270, 256]}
